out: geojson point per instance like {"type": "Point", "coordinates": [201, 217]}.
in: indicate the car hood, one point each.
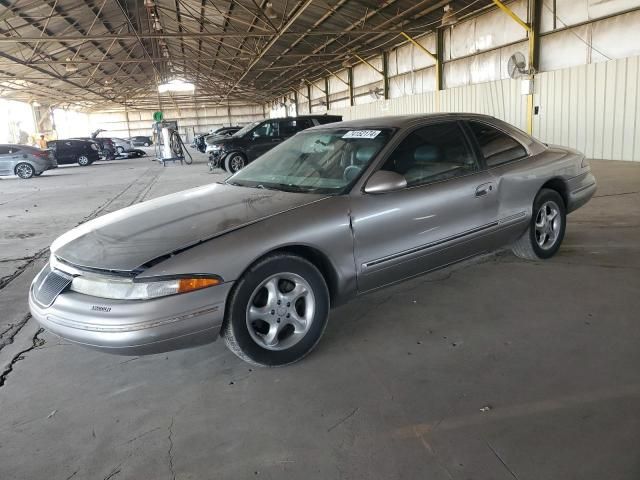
{"type": "Point", "coordinates": [127, 239]}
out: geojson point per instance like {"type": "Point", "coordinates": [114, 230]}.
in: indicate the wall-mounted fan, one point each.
{"type": "Point", "coordinates": [517, 65]}
{"type": "Point", "coordinates": [376, 92]}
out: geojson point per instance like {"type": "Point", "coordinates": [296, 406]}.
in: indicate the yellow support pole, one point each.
{"type": "Point", "coordinates": [531, 33]}
{"type": "Point", "coordinates": [364, 61]}
{"type": "Point", "coordinates": [432, 55]}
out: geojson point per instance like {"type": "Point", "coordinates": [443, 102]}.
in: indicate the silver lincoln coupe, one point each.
{"type": "Point", "coordinates": [332, 213]}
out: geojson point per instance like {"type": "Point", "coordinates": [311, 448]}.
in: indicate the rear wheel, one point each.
{"type": "Point", "coordinates": [234, 162]}
{"type": "Point", "coordinates": [277, 311]}
{"type": "Point", "coordinates": [83, 160]}
{"type": "Point", "coordinates": [546, 229]}
{"type": "Point", "coordinates": [24, 170]}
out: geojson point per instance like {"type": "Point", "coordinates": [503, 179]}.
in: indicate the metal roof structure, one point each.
{"type": "Point", "coordinates": [103, 53]}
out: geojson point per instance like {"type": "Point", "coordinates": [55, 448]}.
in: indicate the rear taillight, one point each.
{"type": "Point", "coordinates": [42, 154]}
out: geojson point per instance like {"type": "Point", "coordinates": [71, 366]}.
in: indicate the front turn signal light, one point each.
{"type": "Point", "coordinates": [190, 284]}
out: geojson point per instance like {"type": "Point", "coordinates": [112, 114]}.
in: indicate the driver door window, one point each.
{"type": "Point", "coordinates": [266, 130]}
{"type": "Point", "coordinates": [433, 153]}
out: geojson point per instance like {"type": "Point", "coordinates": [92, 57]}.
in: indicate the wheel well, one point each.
{"type": "Point", "coordinates": [321, 262]}
{"type": "Point", "coordinates": [559, 186]}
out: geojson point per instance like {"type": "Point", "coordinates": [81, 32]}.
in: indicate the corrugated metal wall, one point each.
{"type": "Point", "coordinates": [190, 120]}
{"type": "Point", "coordinates": [500, 99]}
{"type": "Point", "coordinates": [593, 108]}
{"type": "Point", "coordinates": [586, 91]}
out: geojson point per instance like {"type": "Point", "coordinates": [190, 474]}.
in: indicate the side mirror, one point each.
{"type": "Point", "coordinates": [384, 181]}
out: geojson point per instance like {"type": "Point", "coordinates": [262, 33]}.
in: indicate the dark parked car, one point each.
{"type": "Point", "coordinates": [82, 152]}
{"type": "Point", "coordinates": [25, 161]}
{"type": "Point", "coordinates": [106, 146]}
{"type": "Point", "coordinates": [141, 141]}
{"type": "Point", "coordinates": [225, 131]}
{"type": "Point", "coordinates": [253, 140]}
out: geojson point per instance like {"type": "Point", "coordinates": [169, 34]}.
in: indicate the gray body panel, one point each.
{"type": "Point", "coordinates": [365, 241]}
{"type": "Point", "coordinates": [24, 154]}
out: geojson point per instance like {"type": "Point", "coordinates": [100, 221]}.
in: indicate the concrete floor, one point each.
{"type": "Point", "coordinates": [496, 369]}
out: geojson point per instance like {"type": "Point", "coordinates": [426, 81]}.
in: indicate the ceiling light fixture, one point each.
{"type": "Point", "coordinates": [269, 11]}
{"type": "Point", "coordinates": [149, 3]}
{"type": "Point", "coordinates": [449, 17]}
{"type": "Point", "coordinates": [176, 85]}
{"type": "Point", "coordinates": [157, 25]}
{"type": "Point", "coordinates": [70, 67]}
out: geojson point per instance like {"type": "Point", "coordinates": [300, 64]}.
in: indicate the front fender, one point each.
{"type": "Point", "coordinates": [322, 226]}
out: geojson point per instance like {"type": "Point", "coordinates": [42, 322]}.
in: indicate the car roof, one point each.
{"type": "Point", "coordinates": [400, 121]}
{"type": "Point", "coordinates": [17, 145]}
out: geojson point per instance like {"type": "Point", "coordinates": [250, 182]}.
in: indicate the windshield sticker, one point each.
{"type": "Point", "coordinates": [361, 134]}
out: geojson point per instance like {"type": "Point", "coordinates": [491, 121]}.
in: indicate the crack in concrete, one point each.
{"type": "Point", "coordinates": [21, 259]}
{"type": "Point", "coordinates": [35, 343]}
{"type": "Point", "coordinates": [113, 472]}
{"type": "Point", "coordinates": [170, 451]}
{"type": "Point", "coordinates": [353, 412]}
{"type": "Point", "coordinates": [7, 336]}
{"type": "Point", "coordinates": [72, 475]}
{"type": "Point", "coordinates": [616, 194]}
{"type": "Point", "coordinates": [504, 464]}
{"type": "Point", "coordinates": [4, 281]}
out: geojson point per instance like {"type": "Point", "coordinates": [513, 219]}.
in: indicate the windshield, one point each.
{"type": "Point", "coordinates": [247, 128]}
{"type": "Point", "coordinates": [323, 161]}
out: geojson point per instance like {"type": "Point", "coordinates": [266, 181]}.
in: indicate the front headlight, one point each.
{"type": "Point", "coordinates": [216, 147]}
{"type": "Point", "coordinates": [126, 289]}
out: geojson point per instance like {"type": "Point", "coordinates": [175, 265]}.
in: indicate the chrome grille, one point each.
{"type": "Point", "coordinates": [49, 285]}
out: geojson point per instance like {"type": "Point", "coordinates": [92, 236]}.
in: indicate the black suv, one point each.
{"type": "Point", "coordinates": [84, 152]}
{"type": "Point", "coordinates": [253, 140]}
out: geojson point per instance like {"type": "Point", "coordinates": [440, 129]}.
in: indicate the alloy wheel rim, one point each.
{"type": "Point", "coordinates": [547, 225]}
{"type": "Point", "coordinates": [83, 160]}
{"type": "Point", "coordinates": [237, 163]}
{"type": "Point", "coordinates": [280, 311]}
{"type": "Point", "coordinates": [25, 171]}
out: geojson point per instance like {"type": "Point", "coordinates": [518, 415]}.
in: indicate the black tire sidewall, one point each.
{"type": "Point", "coordinates": [228, 162]}
{"type": "Point", "coordinates": [542, 197]}
{"type": "Point", "coordinates": [236, 312]}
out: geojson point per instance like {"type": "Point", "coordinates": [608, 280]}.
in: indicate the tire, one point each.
{"type": "Point", "coordinates": [24, 171]}
{"type": "Point", "coordinates": [545, 233]}
{"type": "Point", "coordinates": [83, 161]}
{"type": "Point", "coordinates": [120, 150]}
{"type": "Point", "coordinates": [263, 332]}
{"type": "Point", "coordinates": [146, 144]}
{"type": "Point", "coordinates": [234, 162]}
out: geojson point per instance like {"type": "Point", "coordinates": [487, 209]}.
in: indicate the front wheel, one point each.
{"type": "Point", "coordinates": [277, 311]}
{"type": "Point", "coordinates": [234, 162]}
{"type": "Point", "coordinates": [24, 171]}
{"type": "Point", "coordinates": [120, 150]}
{"type": "Point", "coordinates": [546, 229]}
{"type": "Point", "coordinates": [83, 160]}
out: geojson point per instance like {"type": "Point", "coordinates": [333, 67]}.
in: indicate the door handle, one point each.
{"type": "Point", "coordinates": [484, 189]}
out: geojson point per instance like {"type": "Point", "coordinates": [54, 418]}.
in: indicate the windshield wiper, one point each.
{"type": "Point", "coordinates": [287, 187]}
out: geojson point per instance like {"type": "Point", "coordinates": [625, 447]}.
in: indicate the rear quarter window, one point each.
{"type": "Point", "coordinates": [496, 146]}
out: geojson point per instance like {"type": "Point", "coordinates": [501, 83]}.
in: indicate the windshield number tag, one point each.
{"type": "Point", "coordinates": [361, 134]}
